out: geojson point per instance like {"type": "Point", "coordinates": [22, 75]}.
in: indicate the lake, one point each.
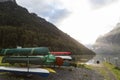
{"type": "Point", "coordinates": [113, 59]}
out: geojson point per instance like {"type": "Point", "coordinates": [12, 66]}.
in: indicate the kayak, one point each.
{"type": "Point", "coordinates": [37, 71]}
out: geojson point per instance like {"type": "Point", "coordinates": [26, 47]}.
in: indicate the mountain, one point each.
{"type": "Point", "coordinates": [18, 27]}
{"type": "Point", "coordinates": [109, 43]}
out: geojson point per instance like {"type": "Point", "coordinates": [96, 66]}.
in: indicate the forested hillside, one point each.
{"type": "Point", "coordinates": [18, 27]}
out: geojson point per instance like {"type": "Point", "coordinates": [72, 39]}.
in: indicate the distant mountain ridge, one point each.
{"type": "Point", "coordinates": [109, 43]}
{"type": "Point", "coordinates": [18, 27]}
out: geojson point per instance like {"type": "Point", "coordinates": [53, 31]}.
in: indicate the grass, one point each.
{"type": "Point", "coordinates": [104, 73]}
{"type": "Point", "coordinates": [88, 67]}
{"type": "Point", "coordinates": [114, 69]}
{"type": "Point", "coordinates": [100, 70]}
{"type": "Point", "coordinates": [3, 64]}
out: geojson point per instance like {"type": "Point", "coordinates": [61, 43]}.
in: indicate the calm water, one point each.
{"type": "Point", "coordinates": [113, 59]}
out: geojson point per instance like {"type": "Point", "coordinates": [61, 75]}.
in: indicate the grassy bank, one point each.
{"type": "Point", "coordinates": [114, 69]}
{"type": "Point", "coordinates": [3, 64]}
{"type": "Point", "coordinates": [99, 70]}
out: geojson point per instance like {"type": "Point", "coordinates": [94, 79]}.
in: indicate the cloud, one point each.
{"type": "Point", "coordinates": [101, 3]}
{"type": "Point", "coordinates": [56, 15]}
{"type": "Point", "coordinates": [51, 10]}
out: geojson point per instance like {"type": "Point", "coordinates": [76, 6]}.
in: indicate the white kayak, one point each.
{"type": "Point", "coordinates": [65, 57]}
{"type": "Point", "coordinates": [37, 71]}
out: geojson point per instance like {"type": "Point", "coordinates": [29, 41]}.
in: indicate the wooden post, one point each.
{"type": "Point", "coordinates": [28, 63]}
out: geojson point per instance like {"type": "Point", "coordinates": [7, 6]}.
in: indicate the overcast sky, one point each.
{"type": "Point", "coordinates": [84, 20]}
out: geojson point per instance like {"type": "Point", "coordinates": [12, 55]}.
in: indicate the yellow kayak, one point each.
{"type": "Point", "coordinates": [50, 70]}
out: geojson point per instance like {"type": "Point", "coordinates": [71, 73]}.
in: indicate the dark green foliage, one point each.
{"type": "Point", "coordinates": [20, 28]}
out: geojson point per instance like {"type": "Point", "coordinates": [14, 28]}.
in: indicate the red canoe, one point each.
{"type": "Point", "coordinates": [61, 53]}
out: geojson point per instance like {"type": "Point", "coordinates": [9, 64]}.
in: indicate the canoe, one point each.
{"type": "Point", "coordinates": [60, 53]}
{"type": "Point", "coordinates": [25, 51]}
{"type": "Point", "coordinates": [38, 60]}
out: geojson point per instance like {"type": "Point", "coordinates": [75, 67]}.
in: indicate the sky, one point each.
{"type": "Point", "coordinates": [84, 20]}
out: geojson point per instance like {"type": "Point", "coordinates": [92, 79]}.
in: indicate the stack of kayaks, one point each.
{"type": "Point", "coordinates": [36, 56]}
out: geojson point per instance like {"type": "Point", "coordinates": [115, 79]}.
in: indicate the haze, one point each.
{"type": "Point", "coordinates": [84, 20]}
